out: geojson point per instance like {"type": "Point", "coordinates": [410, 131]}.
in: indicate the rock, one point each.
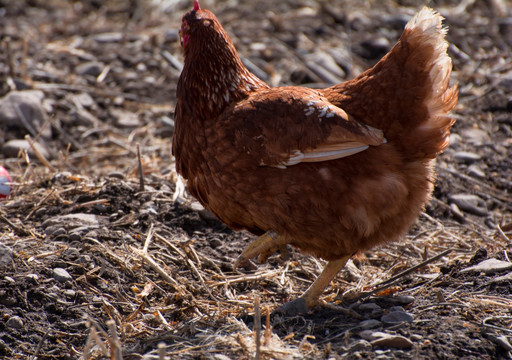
{"type": "Point", "coordinates": [28, 103]}
{"type": "Point", "coordinates": [396, 308]}
{"type": "Point", "coordinates": [14, 322]}
{"type": "Point", "coordinates": [455, 140]}
{"type": "Point", "coordinates": [476, 172]}
{"type": "Point", "coordinates": [69, 293]}
{"type": "Point", "coordinates": [466, 157]}
{"type": "Point", "coordinates": [61, 275]}
{"type": "Point", "coordinates": [116, 175]}
{"type": "Point", "coordinates": [404, 299]}
{"type": "Point", "coordinates": [369, 307]}
{"type": "Point", "coordinates": [371, 335]}
{"type": "Point", "coordinates": [33, 277]}
{"type": "Point", "coordinates": [221, 357]}
{"type": "Point", "coordinates": [469, 203]}
{"type": "Point", "coordinates": [475, 136]}
{"type": "Point", "coordinates": [459, 215]}
{"type": "Point", "coordinates": [503, 278]}
{"type": "Point", "coordinates": [370, 324]}
{"type": "Point", "coordinates": [73, 221]}
{"type": "Point", "coordinates": [12, 148]}
{"type": "Point", "coordinates": [360, 345]}
{"type": "Point", "coordinates": [171, 35]}
{"type": "Point", "coordinates": [6, 258]}
{"type": "Point", "coordinates": [490, 266]}
{"type": "Point", "coordinates": [396, 317]}
{"type": "Point", "coordinates": [108, 37]}
{"type": "Point", "coordinates": [83, 98]}
{"type": "Point", "coordinates": [395, 341]}
{"type": "Point", "coordinates": [92, 68]}
{"type": "Point", "coordinates": [125, 119]}
{"type": "Point", "coordinates": [416, 337]}
{"type": "Point", "coordinates": [350, 272]}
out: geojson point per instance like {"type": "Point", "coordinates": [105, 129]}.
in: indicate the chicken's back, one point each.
{"type": "Point", "coordinates": [407, 94]}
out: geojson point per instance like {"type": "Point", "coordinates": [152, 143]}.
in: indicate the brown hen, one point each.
{"type": "Point", "coordinates": [332, 171]}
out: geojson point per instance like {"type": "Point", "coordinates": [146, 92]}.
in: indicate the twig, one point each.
{"type": "Point", "coordinates": [40, 344]}
{"type": "Point", "coordinates": [141, 172]}
{"type": "Point", "coordinates": [257, 327]}
{"type": "Point", "coordinates": [268, 328]}
{"type": "Point", "coordinates": [156, 267]}
{"type": "Point", "coordinates": [484, 323]}
{"type": "Point", "coordinates": [38, 154]}
{"type": "Point", "coordinates": [161, 350]}
{"type": "Point", "coordinates": [115, 345]}
{"type": "Point", "coordinates": [391, 281]}
{"type": "Point", "coordinates": [15, 227]}
{"type": "Point", "coordinates": [502, 233]}
{"type": "Point", "coordinates": [148, 239]}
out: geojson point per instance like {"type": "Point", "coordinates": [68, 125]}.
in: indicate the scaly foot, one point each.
{"type": "Point", "coordinates": [311, 297]}
{"type": "Point", "coordinates": [264, 246]}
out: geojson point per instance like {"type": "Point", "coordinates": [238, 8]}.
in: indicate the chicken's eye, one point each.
{"type": "Point", "coordinates": [207, 22]}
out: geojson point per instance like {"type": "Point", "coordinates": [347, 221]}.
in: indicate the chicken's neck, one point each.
{"type": "Point", "coordinates": [214, 78]}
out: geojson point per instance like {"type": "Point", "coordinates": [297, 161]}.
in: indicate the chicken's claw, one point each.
{"type": "Point", "coordinates": [311, 297]}
{"type": "Point", "coordinates": [264, 246]}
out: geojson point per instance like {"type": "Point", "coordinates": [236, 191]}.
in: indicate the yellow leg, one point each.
{"type": "Point", "coordinates": [264, 246]}
{"type": "Point", "coordinates": [311, 296]}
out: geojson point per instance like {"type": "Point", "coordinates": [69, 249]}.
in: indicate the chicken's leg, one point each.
{"type": "Point", "coordinates": [263, 246]}
{"type": "Point", "coordinates": [311, 296]}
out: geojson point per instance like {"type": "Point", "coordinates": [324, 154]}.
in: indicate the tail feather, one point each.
{"type": "Point", "coordinates": [407, 94]}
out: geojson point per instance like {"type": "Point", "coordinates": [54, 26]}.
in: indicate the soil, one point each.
{"type": "Point", "coordinates": [92, 263]}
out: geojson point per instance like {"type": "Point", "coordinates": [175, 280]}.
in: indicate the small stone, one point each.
{"type": "Point", "coordinates": [369, 307]}
{"type": "Point", "coordinates": [74, 221]}
{"type": "Point", "coordinates": [475, 136]}
{"type": "Point", "coordinates": [69, 293]}
{"type": "Point", "coordinates": [476, 172]}
{"type": "Point", "coordinates": [12, 148]}
{"type": "Point", "coordinates": [396, 317]}
{"type": "Point", "coordinates": [369, 324]}
{"type": "Point", "coordinates": [116, 175]}
{"type": "Point", "coordinates": [171, 35]}
{"type": "Point", "coordinates": [108, 37]}
{"type": "Point", "coordinates": [416, 337]}
{"type": "Point", "coordinates": [92, 68]}
{"type": "Point", "coordinates": [459, 215]}
{"type": "Point", "coordinates": [61, 275]}
{"type": "Point", "coordinates": [503, 278]}
{"type": "Point", "coordinates": [360, 345]}
{"type": "Point", "coordinates": [221, 357]}
{"type": "Point", "coordinates": [466, 157]}
{"type": "Point", "coordinates": [455, 140]}
{"type": "Point", "coordinates": [469, 203]}
{"type": "Point", "coordinates": [125, 119]}
{"type": "Point", "coordinates": [395, 341]}
{"type": "Point", "coordinates": [33, 277]}
{"type": "Point", "coordinates": [404, 299]}
{"type": "Point", "coordinates": [26, 104]}
{"type": "Point", "coordinates": [15, 322]}
{"type": "Point", "coordinates": [490, 266]}
{"type": "Point", "coordinates": [6, 256]}
{"type": "Point", "coordinates": [396, 308]}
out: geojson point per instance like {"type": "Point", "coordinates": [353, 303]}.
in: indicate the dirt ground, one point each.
{"type": "Point", "coordinates": [93, 266]}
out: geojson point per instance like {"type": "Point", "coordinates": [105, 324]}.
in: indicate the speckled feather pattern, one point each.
{"type": "Point", "coordinates": [261, 158]}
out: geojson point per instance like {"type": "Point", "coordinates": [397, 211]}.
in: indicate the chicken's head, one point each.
{"type": "Point", "coordinates": [194, 23]}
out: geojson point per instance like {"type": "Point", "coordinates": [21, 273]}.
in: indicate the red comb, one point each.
{"type": "Point", "coordinates": [196, 5]}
